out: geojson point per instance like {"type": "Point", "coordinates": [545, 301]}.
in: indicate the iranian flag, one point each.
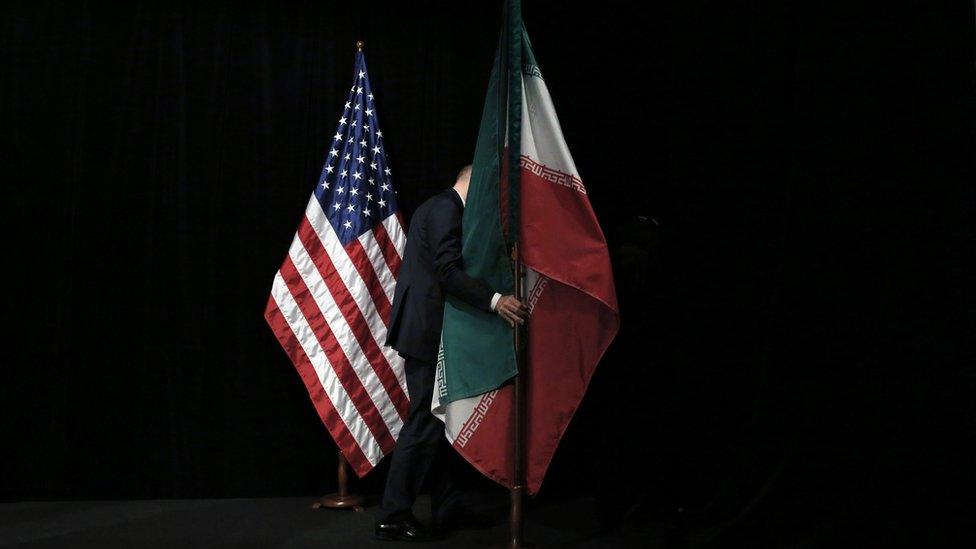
{"type": "Point", "coordinates": [542, 206]}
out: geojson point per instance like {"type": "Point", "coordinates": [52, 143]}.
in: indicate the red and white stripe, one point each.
{"type": "Point", "coordinates": [328, 308]}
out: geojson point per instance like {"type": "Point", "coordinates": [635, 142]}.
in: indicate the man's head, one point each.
{"type": "Point", "coordinates": [462, 181]}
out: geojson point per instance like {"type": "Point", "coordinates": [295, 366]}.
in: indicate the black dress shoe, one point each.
{"type": "Point", "coordinates": [408, 529]}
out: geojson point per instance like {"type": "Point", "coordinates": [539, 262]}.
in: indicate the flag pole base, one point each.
{"type": "Point", "coordinates": [338, 501]}
{"type": "Point", "coordinates": [341, 499]}
{"type": "Point", "coordinates": [516, 520]}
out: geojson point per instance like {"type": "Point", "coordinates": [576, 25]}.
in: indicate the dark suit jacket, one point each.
{"type": "Point", "coordinates": [430, 269]}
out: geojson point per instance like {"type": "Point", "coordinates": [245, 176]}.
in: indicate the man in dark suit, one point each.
{"type": "Point", "coordinates": [431, 269]}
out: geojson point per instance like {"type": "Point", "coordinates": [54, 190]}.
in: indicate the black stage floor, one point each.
{"type": "Point", "coordinates": [270, 522]}
{"type": "Point", "coordinates": [565, 523]}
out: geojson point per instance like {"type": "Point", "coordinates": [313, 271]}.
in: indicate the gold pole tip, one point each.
{"type": "Point", "coordinates": [359, 45]}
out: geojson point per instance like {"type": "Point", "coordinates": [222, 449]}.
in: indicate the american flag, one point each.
{"type": "Point", "coordinates": [331, 297]}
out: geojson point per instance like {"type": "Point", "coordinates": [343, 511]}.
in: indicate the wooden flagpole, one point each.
{"type": "Point", "coordinates": [518, 419]}
{"type": "Point", "coordinates": [342, 499]}
{"type": "Point", "coordinates": [512, 44]}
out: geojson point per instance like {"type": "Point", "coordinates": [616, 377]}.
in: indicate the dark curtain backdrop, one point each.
{"type": "Point", "coordinates": [787, 190]}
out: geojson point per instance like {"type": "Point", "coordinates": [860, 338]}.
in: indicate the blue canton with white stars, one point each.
{"type": "Point", "coordinates": [355, 188]}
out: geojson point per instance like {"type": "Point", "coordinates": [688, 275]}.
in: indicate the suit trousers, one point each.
{"type": "Point", "coordinates": [422, 454]}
